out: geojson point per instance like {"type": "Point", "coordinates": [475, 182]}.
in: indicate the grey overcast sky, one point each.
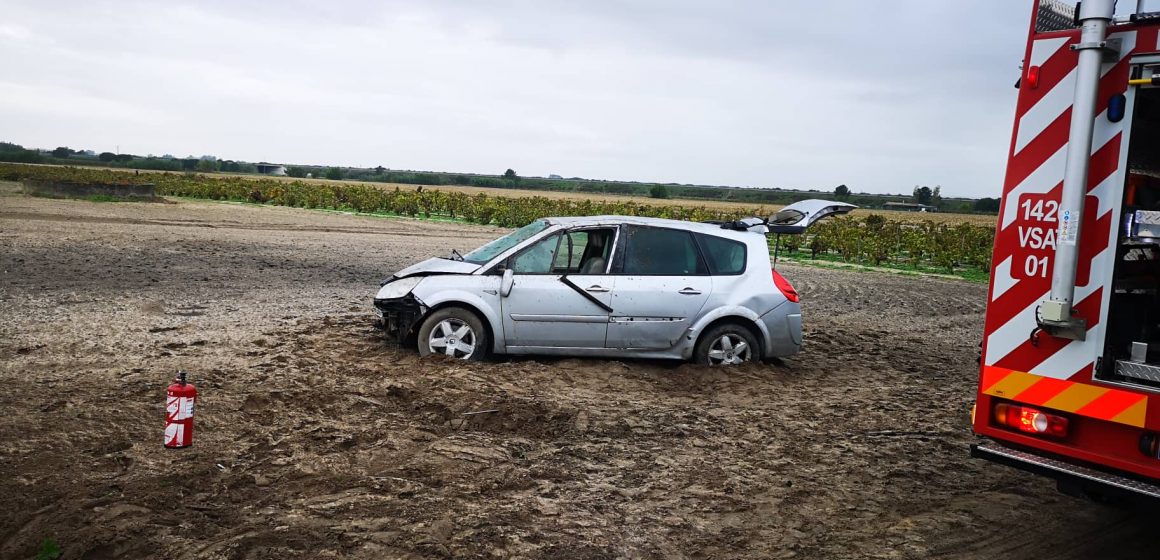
{"type": "Point", "coordinates": [880, 95]}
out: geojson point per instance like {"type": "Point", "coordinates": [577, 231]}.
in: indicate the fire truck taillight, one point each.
{"type": "Point", "coordinates": [1030, 420]}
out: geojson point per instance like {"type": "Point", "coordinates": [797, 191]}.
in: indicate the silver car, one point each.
{"type": "Point", "coordinates": [608, 286]}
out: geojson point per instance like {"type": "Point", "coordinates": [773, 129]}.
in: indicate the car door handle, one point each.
{"type": "Point", "coordinates": [596, 288]}
{"type": "Point", "coordinates": [690, 292]}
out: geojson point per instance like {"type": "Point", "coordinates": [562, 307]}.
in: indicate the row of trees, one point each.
{"type": "Point", "coordinates": [933, 197]}
{"type": "Point", "coordinates": [506, 180]}
{"type": "Point", "coordinates": [16, 153]}
{"type": "Point", "coordinates": [920, 195]}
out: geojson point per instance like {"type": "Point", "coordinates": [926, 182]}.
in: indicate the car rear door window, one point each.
{"type": "Point", "coordinates": [724, 256]}
{"type": "Point", "coordinates": [662, 252]}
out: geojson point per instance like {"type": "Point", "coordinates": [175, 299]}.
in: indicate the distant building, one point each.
{"type": "Point", "coordinates": [909, 207]}
{"type": "Point", "coordinates": [271, 169]}
{"type": "Point", "coordinates": [554, 176]}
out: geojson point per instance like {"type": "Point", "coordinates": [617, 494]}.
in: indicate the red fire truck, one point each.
{"type": "Point", "coordinates": [1069, 384]}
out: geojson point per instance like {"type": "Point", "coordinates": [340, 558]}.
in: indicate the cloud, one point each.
{"type": "Point", "coordinates": [879, 96]}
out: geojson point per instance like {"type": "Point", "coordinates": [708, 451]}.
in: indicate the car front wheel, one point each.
{"type": "Point", "coordinates": [454, 332]}
{"type": "Point", "coordinates": [726, 345]}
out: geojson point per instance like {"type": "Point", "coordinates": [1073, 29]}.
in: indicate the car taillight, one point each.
{"type": "Point", "coordinates": [785, 287]}
{"type": "Point", "coordinates": [1030, 420]}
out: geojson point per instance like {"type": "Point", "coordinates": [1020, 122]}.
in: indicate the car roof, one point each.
{"type": "Point", "coordinates": [580, 221]}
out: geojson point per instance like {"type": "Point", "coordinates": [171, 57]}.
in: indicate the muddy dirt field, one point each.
{"type": "Point", "coordinates": [315, 439]}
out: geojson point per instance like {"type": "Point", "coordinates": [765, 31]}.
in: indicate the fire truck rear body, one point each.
{"type": "Point", "coordinates": [1070, 376]}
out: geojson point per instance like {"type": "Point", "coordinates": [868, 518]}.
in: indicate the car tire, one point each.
{"type": "Point", "coordinates": [443, 332]}
{"type": "Point", "coordinates": [718, 346]}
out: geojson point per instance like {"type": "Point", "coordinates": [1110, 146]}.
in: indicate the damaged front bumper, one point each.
{"type": "Point", "coordinates": [399, 317]}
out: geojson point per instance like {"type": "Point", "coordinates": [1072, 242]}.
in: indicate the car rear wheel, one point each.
{"type": "Point", "coordinates": [726, 345]}
{"type": "Point", "coordinates": [453, 332]}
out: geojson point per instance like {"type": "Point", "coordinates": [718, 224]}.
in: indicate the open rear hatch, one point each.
{"type": "Point", "coordinates": [792, 219]}
{"type": "Point", "coordinates": [799, 216]}
{"type": "Point", "coordinates": [796, 218]}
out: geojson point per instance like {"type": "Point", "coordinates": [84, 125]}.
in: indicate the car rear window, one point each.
{"type": "Point", "coordinates": [662, 252]}
{"type": "Point", "coordinates": [725, 256]}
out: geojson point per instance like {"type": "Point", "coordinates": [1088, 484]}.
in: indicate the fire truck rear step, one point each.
{"type": "Point", "coordinates": [1063, 471]}
{"type": "Point", "coordinates": [1137, 370]}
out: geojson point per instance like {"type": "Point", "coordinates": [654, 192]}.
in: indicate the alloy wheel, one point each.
{"type": "Point", "coordinates": [729, 349]}
{"type": "Point", "coordinates": [452, 337]}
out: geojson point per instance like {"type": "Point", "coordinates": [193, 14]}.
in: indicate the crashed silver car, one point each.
{"type": "Point", "coordinates": [609, 286]}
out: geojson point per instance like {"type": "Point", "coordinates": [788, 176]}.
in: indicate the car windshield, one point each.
{"type": "Point", "coordinates": [497, 247]}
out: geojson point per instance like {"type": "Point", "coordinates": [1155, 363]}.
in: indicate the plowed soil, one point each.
{"type": "Point", "coordinates": [316, 439]}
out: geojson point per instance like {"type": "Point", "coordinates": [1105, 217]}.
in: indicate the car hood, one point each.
{"type": "Point", "coordinates": [437, 266]}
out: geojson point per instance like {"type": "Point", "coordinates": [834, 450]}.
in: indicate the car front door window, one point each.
{"type": "Point", "coordinates": [538, 258]}
{"type": "Point", "coordinates": [571, 252]}
{"type": "Point", "coordinates": [553, 303]}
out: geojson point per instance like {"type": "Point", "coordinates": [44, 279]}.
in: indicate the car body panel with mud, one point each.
{"type": "Point", "coordinates": [608, 286]}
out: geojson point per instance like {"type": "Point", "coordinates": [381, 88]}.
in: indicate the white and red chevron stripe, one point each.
{"type": "Point", "coordinates": [1021, 274]}
{"type": "Point", "coordinates": [1108, 419]}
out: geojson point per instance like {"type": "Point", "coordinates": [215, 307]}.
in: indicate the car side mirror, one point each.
{"type": "Point", "coordinates": [505, 285]}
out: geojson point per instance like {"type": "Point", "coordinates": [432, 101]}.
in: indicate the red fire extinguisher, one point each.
{"type": "Point", "coordinates": [179, 400]}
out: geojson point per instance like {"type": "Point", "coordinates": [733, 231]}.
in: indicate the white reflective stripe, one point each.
{"type": "Point", "coordinates": [1104, 131]}
{"type": "Point", "coordinates": [1104, 193]}
{"type": "Point", "coordinates": [1042, 49]}
{"type": "Point", "coordinates": [1127, 44]}
{"type": "Point", "coordinates": [178, 408]}
{"type": "Point", "coordinates": [1050, 107]}
{"type": "Point", "coordinates": [1050, 173]}
{"type": "Point", "coordinates": [1003, 280]}
{"type": "Point", "coordinates": [1011, 335]}
{"type": "Point", "coordinates": [1062, 95]}
{"type": "Point", "coordinates": [1043, 179]}
{"type": "Point", "coordinates": [1065, 361]}
{"type": "Point", "coordinates": [1078, 353]}
{"type": "Point", "coordinates": [174, 434]}
{"type": "Point", "coordinates": [1069, 359]}
{"type": "Point", "coordinates": [1015, 332]}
